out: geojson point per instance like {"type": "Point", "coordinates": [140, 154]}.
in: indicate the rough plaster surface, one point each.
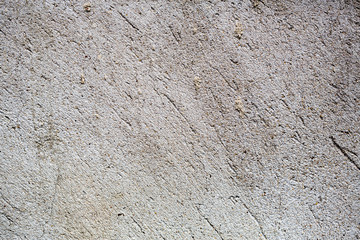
{"type": "Point", "coordinates": [179, 119]}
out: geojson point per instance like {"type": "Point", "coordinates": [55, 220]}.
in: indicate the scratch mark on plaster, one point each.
{"type": "Point", "coordinates": [128, 21]}
{"type": "Point", "coordinates": [178, 110]}
{"type": "Point", "coordinates": [141, 229]}
{"type": "Point", "coordinates": [343, 151]}
{"type": "Point", "coordinates": [208, 221]}
{"type": "Point", "coordinates": [217, 70]}
{"type": "Point", "coordinates": [236, 199]}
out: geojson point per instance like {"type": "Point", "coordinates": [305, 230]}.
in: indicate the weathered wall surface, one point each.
{"type": "Point", "coordinates": [179, 119]}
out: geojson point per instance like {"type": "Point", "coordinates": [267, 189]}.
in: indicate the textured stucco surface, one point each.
{"type": "Point", "coordinates": [179, 119]}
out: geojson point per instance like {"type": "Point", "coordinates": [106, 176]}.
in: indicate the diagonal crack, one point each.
{"type": "Point", "coordinates": [230, 162]}
{"type": "Point", "coordinates": [208, 221]}
{"type": "Point", "coordinates": [236, 199]}
{"type": "Point", "coordinates": [178, 110]}
{"type": "Point", "coordinates": [178, 37]}
{"type": "Point", "coordinates": [343, 151]}
{"type": "Point", "coordinates": [255, 218]}
{"type": "Point", "coordinates": [123, 119]}
{"type": "Point", "coordinates": [7, 217]}
{"type": "Point", "coordinates": [141, 229]}
{"type": "Point", "coordinates": [317, 219]}
{"type": "Point", "coordinates": [129, 22]}
{"type": "Point", "coordinates": [222, 75]}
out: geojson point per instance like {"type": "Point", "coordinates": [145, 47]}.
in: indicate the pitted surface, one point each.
{"type": "Point", "coordinates": [179, 119]}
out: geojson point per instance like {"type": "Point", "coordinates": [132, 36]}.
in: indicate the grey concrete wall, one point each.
{"type": "Point", "coordinates": [179, 119]}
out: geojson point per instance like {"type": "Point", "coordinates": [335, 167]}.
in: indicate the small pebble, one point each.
{"type": "Point", "coordinates": [82, 79]}
{"type": "Point", "coordinates": [87, 7]}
